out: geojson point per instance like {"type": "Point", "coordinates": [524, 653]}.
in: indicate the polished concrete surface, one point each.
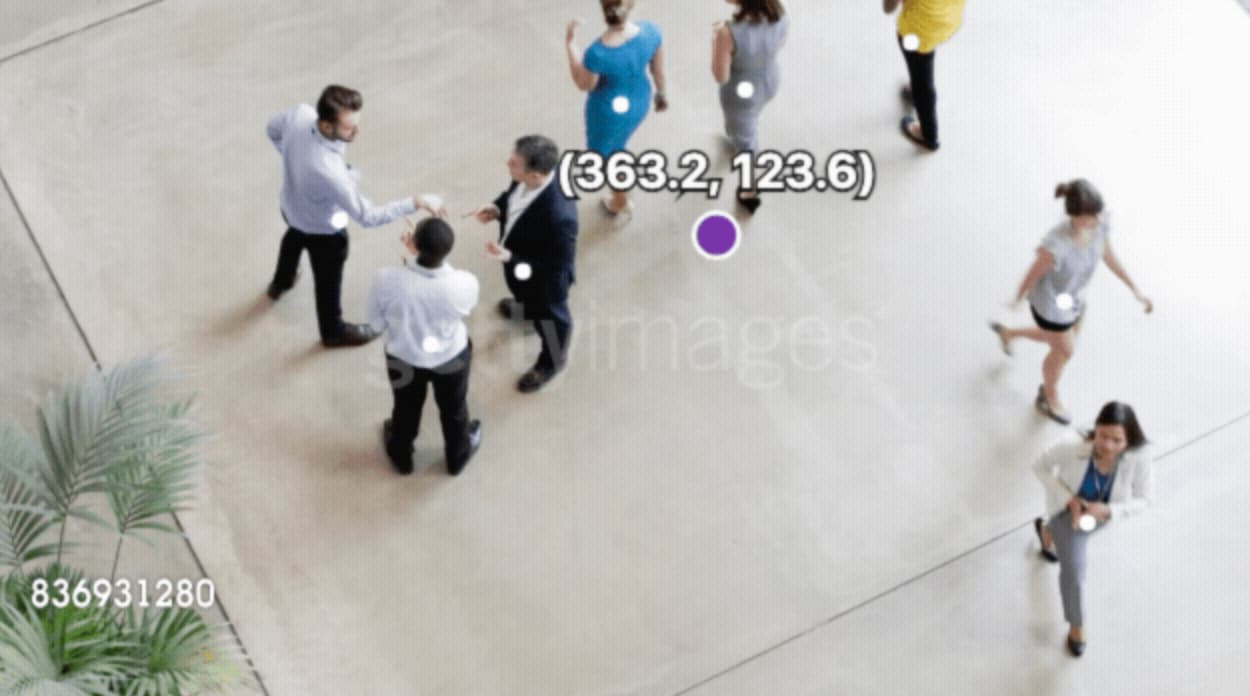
{"type": "Point", "coordinates": [755, 473]}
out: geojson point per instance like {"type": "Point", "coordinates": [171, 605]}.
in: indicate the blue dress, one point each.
{"type": "Point", "coordinates": [622, 96]}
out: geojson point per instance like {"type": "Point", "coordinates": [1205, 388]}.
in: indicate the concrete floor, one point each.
{"type": "Point", "coordinates": [804, 470]}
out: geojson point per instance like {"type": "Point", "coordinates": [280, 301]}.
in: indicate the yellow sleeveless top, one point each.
{"type": "Point", "coordinates": [932, 21]}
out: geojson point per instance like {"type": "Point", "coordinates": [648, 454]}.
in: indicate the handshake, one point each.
{"type": "Point", "coordinates": [433, 204]}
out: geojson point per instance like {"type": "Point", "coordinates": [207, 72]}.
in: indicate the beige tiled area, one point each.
{"type": "Point", "coordinates": [738, 451]}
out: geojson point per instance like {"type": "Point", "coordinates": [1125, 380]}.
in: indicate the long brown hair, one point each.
{"type": "Point", "coordinates": [756, 10]}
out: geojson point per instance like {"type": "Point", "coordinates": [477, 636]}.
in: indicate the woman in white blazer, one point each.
{"type": "Point", "coordinates": [1089, 482]}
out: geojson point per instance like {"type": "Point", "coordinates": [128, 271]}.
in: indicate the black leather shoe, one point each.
{"type": "Point", "coordinates": [1045, 552]}
{"type": "Point", "coordinates": [533, 380]}
{"type": "Point", "coordinates": [274, 292]}
{"type": "Point", "coordinates": [751, 203]}
{"type": "Point", "coordinates": [475, 442]}
{"type": "Point", "coordinates": [1076, 647]}
{"type": "Point", "coordinates": [351, 335]}
{"type": "Point", "coordinates": [403, 469]}
{"type": "Point", "coordinates": [509, 308]}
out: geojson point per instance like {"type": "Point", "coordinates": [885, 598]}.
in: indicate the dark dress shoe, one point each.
{"type": "Point", "coordinates": [274, 291]}
{"type": "Point", "coordinates": [475, 443]}
{"type": "Point", "coordinates": [351, 335]}
{"type": "Point", "coordinates": [751, 203]}
{"type": "Point", "coordinates": [1076, 647]}
{"type": "Point", "coordinates": [533, 380]}
{"type": "Point", "coordinates": [509, 308]}
{"type": "Point", "coordinates": [1045, 552]}
{"type": "Point", "coordinates": [400, 466]}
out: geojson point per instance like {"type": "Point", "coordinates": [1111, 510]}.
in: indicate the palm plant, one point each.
{"type": "Point", "coordinates": [106, 436]}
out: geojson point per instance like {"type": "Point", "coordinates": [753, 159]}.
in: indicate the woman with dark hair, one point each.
{"type": "Point", "coordinates": [744, 63]}
{"type": "Point", "coordinates": [614, 72]}
{"type": "Point", "coordinates": [1104, 476]}
{"type": "Point", "coordinates": [1055, 285]}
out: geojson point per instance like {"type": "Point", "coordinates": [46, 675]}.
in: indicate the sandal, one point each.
{"type": "Point", "coordinates": [1044, 407]}
{"type": "Point", "coordinates": [627, 211]}
{"type": "Point", "coordinates": [905, 126]}
{"type": "Point", "coordinates": [1046, 553]}
{"type": "Point", "coordinates": [999, 329]}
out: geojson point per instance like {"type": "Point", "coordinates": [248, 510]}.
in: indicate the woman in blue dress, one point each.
{"type": "Point", "coordinates": [614, 72]}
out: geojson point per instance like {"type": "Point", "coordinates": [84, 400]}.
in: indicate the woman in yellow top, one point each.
{"type": "Point", "coordinates": [922, 26]}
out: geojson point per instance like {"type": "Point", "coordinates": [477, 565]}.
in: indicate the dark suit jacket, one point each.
{"type": "Point", "coordinates": [545, 237]}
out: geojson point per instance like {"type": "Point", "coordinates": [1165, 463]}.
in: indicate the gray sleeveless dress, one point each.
{"type": "Point", "coordinates": [754, 63]}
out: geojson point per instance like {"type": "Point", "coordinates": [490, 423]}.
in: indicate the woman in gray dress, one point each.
{"type": "Point", "coordinates": [1055, 285]}
{"type": "Point", "coordinates": [744, 62]}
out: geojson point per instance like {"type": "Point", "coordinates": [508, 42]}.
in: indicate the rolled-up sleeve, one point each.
{"type": "Point", "coordinates": [349, 199]}
{"type": "Point", "coordinates": [276, 128]}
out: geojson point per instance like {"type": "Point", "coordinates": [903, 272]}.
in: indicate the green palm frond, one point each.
{"type": "Point", "coordinates": [90, 426]}
{"type": "Point", "coordinates": [180, 653]}
{"type": "Point", "coordinates": [24, 516]}
{"type": "Point", "coordinates": [61, 651]}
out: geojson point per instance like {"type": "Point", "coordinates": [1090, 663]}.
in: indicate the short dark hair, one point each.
{"type": "Point", "coordinates": [1121, 414]}
{"type": "Point", "coordinates": [434, 239]}
{"type": "Point", "coordinates": [756, 10]}
{"type": "Point", "coordinates": [538, 153]}
{"type": "Point", "coordinates": [615, 12]}
{"type": "Point", "coordinates": [336, 99]}
{"type": "Point", "coordinates": [1079, 197]}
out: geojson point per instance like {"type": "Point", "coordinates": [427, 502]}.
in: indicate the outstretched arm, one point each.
{"type": "Point", "coordinates": [1113, 262]}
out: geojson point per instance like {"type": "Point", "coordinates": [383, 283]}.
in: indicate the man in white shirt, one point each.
{"type": "Point", "coordinates": [319, 196]}
{"type": "Point", "coordinates": [421, 308]}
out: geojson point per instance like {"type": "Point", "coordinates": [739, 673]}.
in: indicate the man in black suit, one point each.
{"type": "Point", "coordinates": [537, 242]}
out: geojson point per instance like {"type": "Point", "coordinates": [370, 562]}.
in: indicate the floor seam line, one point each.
{"type": "Point", "coordinates": [75, 32]}
{"type": "Point", "coordinates": [82, 334]}
{"type": "Point", "coordinates": [922, 575]}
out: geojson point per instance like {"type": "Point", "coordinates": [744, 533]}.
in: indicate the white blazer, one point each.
{"type": "Point", "coordinates": [1062, 468]}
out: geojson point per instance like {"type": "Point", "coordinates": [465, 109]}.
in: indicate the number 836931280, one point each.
{"type": "Point", "coordinates": [123, 593]}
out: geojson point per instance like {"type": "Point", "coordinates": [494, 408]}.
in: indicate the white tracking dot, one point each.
{"type": "Point", "coordinates": [1064, 301]}
{"type": "Point", "coordinates": [522, 271]}
{"type": "Point", "coordinates": [1087, 523]}
{"type": "Point", "coordinates": [911, 42]}
{"type": "Point", "coordinates": [746, 90]}
{"type": "Point", "coordinates": [338, 220]}
{"type": "Point", "coordinates": [430, 344]}
{"type": "Point", "coordinates": [620, 105]}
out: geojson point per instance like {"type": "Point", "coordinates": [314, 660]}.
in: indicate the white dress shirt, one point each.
{"type": "Point", "coordinates": [519, 200]}
{"type": "Point", "coordinates": [422, 311]}
{"type": "Point", "coordinates": [317, 182]}
{"type": "Point", "coordinates": [1062, 469]}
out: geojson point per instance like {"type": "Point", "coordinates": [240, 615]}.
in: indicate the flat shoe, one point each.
{"type": "Point", "coordinates": [905, 126]}
{"type": "Point", "coordinates": [999, 329]}
{"type": "Point", "coordinates": [1076, 647]}
{"type": "Point", "coordinates": [1043, 406]}
{"type": "Point", "coordinates": [1045, 552]}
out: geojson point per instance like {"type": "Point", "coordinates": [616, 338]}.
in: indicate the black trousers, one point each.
{"type": "Point", "coordinates": [327, 253]}
{"type": "Point", "coordinates": [923, 91]}
{"type": "Point", "coordinates": [554, 334]}
{"type": "Point", "coordinates": [451, 391]}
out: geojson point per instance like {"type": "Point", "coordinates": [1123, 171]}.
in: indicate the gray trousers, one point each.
{"type": "Point", "coordinates": [1070, 547]}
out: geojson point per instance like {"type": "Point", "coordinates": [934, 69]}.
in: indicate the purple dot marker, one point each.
{"type": "Point", "coordinates": [716, 235]}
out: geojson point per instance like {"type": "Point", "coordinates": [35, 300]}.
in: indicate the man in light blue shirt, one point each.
{"type": "Point", "coordinates": [319, 196]}
{"type": "Point", "coordinates": [422, 308]}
